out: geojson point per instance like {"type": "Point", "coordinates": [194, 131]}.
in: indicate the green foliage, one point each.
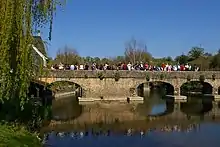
{"type": "Point", "coordinates": [182, 59]}
{"type": "Point", "coordinates": [18, 18]}
{"type": "Point", "coordinates": [63, 86]}
{"type": "Point", "coordinates": [100, 75]}
{"type": "Point", "coordinates": [192, 86]}
{"type": "Point", "coordinates": [17, 21]}
{"type": "Point", "coordinates": [213, 77]}
{"type": "Point", "coordinates": [117, 76]}
{"type": "Point", "coordinates": [32, 115]}
{"type": "Point", "coordinates": [15, 136]}
{"type": "Point", "coordinates": [162, 76]}
{"type": "Point", "coordinates": [147, 77]}
{"type": "Point", "coordinates": [86, 76]}
{"type": "Point", "coordinates": [196, 52]}
{"type": "Point", "coordinates": [215, 61]}
{"type": "Point", "coordinates": [203, 62]}
{"type": "Point", "coordinates": [188, 77]}
{"type": "Point", "coordinates": [160, 61]}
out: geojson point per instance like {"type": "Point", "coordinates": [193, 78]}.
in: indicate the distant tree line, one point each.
{"type": "Point", "coordinates": [136, 51]}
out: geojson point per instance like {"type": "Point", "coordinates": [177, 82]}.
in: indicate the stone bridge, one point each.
{"type": "Point", "coordinates": [111, 83]}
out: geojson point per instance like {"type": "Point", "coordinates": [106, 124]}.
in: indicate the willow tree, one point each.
{"type": "Point", "coordinates": [19, 20]}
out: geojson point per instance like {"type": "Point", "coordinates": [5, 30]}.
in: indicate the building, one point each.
{"type": "Point", "coordinates": [39, 52]}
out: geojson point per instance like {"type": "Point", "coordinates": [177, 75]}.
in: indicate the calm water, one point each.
{"type": "Point", "coordinates": [155, 122]}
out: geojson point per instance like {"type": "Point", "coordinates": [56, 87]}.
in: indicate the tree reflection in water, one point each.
{"type": "Point", "coordinates": [196, 106]}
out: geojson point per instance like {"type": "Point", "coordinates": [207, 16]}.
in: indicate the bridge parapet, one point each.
{"type": "Point", "coordinates": [131, 74]}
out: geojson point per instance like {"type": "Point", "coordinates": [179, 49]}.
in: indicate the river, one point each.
{"type": "Point", "coordinates": [156, 122]}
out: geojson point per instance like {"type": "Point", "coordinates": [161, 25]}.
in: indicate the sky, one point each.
{"type": "Point", "coordinates": [168, 27]}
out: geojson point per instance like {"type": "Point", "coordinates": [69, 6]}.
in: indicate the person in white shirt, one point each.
{"type": "Point", "coordinates": [141, 66]}
{"type": "Point", "coordinates": [81, 67]}
{"type": "Point", "coordinates": [190, 67]}
{"type": "Point", "coordinates": [106, 66]}
{"type": "Point", "coordinates": [175, 68]}
{"type": "Point", "coordinates": [178, 67]}
{"type": "Point", "coordinates": [72, 67]}
{"type": "Point", "coordinates": [129, 66]}
{"type": "Point", "coordinates": [187, 66]}
{"type": "Point", "coordinates": [61, 66]}
{"type": "Point", "coordinates": [77, 67]}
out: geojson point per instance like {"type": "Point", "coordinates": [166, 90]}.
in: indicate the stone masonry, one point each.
{"type": "Point", "coordinates": [128, 81]}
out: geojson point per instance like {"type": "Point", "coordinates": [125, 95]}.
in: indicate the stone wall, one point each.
{"type": "Point", "coordinates": [130, 74]}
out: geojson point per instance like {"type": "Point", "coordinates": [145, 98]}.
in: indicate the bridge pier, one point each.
{"type": "Point", "coordinates": [215, 91]}
{"type": "Point", "coordinates": [177, 95]}
{"type": "Point", "coordinates": [146, 87]}
{"type": "Point", "coordinates": [177, 91]}
{"type": "Point", "coordinates": [215, 109]}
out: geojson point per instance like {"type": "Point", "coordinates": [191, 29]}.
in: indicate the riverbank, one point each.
{"type": "Point", "coordinates": [11, 136]}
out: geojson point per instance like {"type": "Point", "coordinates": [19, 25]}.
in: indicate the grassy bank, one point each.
{"type": "Point", "coordinates": [11, 136]}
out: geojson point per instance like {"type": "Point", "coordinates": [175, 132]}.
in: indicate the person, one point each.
{"type": "Point", "coordinates": [81, 67]}
{"type": "Point", "coordinates": [61, 66]}
{"type": "Point", "coordinates": [129, 66]}
{"type": "Point", "coordinates": [72, 67]}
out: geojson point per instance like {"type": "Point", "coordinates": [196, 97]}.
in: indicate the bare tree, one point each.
{"type": "Point", "coordinates": [67, 55]}
{"type": "Point", "coordinates": [135, 51]}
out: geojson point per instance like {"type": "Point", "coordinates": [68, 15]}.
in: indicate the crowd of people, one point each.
{"type": "Point", "coordinates": [128, 66]}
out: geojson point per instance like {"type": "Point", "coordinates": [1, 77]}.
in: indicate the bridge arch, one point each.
{"type": "Point", "coordinates": [150, 85]}
{"type": "Point", "coordinates": [66, 86]}
{"type": "Point", "coordinates": [39, 89]}
{"type": "Point", "coordinates": [196, 87]}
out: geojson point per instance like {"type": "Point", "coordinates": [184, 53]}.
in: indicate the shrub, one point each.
{"type": "Point", "coordinates": [188, 78]}
{"type": "Point", "coordinates": [213, 77]}
{"type": "Point", "coordinates": [101, 76]}
{"type": "Point", "coordinates": [147, 77]}
{"type": "Point", "coordinates": [201, 78]}
{"type": "Point", "coordinates": [162, 76]}
{"type": "Point", "coordinates": [117, 76]}
{"type": "Point", "coordinates": [86, 76]}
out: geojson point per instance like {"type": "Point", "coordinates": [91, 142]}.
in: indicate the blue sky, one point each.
{"type": "Point", "coordinates": [168, 27]}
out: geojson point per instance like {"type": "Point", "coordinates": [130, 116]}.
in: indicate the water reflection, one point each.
{"type": "Point", "coordinates": [196, 107]}
{"type": "Point", "coordinates": [123, 124]}
{"type": "Point", "coordinates": [155, 105]}
{"type": "Point", "coordinates": [66, 109]}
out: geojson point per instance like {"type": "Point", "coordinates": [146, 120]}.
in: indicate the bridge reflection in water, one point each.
{"type": "Point", "coordinates": [149, 121]}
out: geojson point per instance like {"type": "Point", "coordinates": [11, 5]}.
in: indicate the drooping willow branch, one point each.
{"type": "Point", "coordinates": [19, 20]}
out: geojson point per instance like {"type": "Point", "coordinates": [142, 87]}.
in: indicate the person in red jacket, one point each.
{"type": "Point", "coordinates": [163, 66]}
